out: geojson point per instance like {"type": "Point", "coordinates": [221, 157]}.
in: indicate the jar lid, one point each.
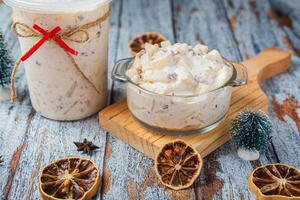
{"type": "Point", "coordinates": [55, 6]}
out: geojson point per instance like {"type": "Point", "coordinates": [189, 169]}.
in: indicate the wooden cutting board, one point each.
{"type": "Point", "coordinates": [117, 119]}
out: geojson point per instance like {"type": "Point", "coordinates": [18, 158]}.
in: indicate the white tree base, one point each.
{"type": "Point", "coordinates": [4, 94]}
{"type": "Point", "coordinates": [247, 154]}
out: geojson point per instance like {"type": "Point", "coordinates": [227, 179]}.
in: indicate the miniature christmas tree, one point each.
{"type": "Point", "coordinates": [251, 132]}
{"type": "Point", "coordinates": [1, 161]}
{"type": "Point", "coordinates": [6, 63]}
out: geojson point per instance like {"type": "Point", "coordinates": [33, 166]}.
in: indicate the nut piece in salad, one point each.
{"type": "Point", "coordinates": [179, 87]}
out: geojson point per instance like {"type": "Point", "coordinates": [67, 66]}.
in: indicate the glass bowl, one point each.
{"type": "Point", "coordinates": [178, 114]}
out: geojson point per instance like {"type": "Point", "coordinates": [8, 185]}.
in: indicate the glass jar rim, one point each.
{"type": "Point", "coordinates": [48, 6]}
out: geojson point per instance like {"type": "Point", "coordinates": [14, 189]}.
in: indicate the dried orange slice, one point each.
{"type": "Point", "coordinates": [138, 43]}
{"type": "Point", "coordinates": [275, 181]}
{"type": "Point", "coordinates": [69, 178]}
{"type": "Point", "coordinates": [177, 165]}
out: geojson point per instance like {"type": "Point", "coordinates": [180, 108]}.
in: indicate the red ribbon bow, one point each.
{"type": "Point", "coordinates": [47, 35]}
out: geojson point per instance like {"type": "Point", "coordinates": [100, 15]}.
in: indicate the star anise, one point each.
{"type": "Point", "coordinates": [1, 160]}
{"type": "Point", "coordinates": [86, 146]}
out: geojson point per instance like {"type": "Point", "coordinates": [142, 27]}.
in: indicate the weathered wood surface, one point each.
{"type": "Point", "coordinates": [118, 121]}
{"type": "Point", "coordinates": [238, 28]}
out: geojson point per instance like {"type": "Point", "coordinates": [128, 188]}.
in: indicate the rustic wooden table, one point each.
{"type": "Point", "coordinates": [238, 28]}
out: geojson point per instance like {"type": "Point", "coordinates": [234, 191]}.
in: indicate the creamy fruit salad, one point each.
{"type": "Point", "coordinates": [179, 87]}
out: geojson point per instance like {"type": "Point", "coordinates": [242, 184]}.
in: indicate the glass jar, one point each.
{"type": "Point", "coordinates": [64, 86]}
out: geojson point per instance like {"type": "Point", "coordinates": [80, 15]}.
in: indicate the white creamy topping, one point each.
{"type": "Point", "coordinates": [179, 69]}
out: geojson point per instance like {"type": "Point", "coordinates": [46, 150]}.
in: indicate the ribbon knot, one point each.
{"type": "Point", "coordinates": [78, 34]}
{"type": "Point", "coordinates": [22, 30]}
{"type": "Point", "coordinates": [46, 36]}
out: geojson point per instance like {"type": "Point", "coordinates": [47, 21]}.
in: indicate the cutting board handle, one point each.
{"type": "Point", "coordinates": [118, 120]}
{"type": "Point", "coordinates": [268, 63]}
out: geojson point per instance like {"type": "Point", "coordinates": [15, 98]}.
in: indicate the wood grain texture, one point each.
{"type": "Point", "coordinates": [130, 173]}
{"type": "Point", "coordinates": [47, 141]}
{"type": "Point", "coordinates": [14, 119]}
{"type": "Point", "coordinates": [255, 30]}
{"type": "Point", "coordinates": [211, 26]}
{"type": "Point", "coordinates": [238, 28]}
{"type": "Point", "coordinates": [31, 141]}
{"type": "Point", "coordinates": [119, 121]}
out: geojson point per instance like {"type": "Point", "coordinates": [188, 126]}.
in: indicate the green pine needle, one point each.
{"type": "Point", "coordinates": [1, 161]}
{"type": "Point", "coordinates": [6, 63]}
{"type": "Point", "coordinates": [251, 130]}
